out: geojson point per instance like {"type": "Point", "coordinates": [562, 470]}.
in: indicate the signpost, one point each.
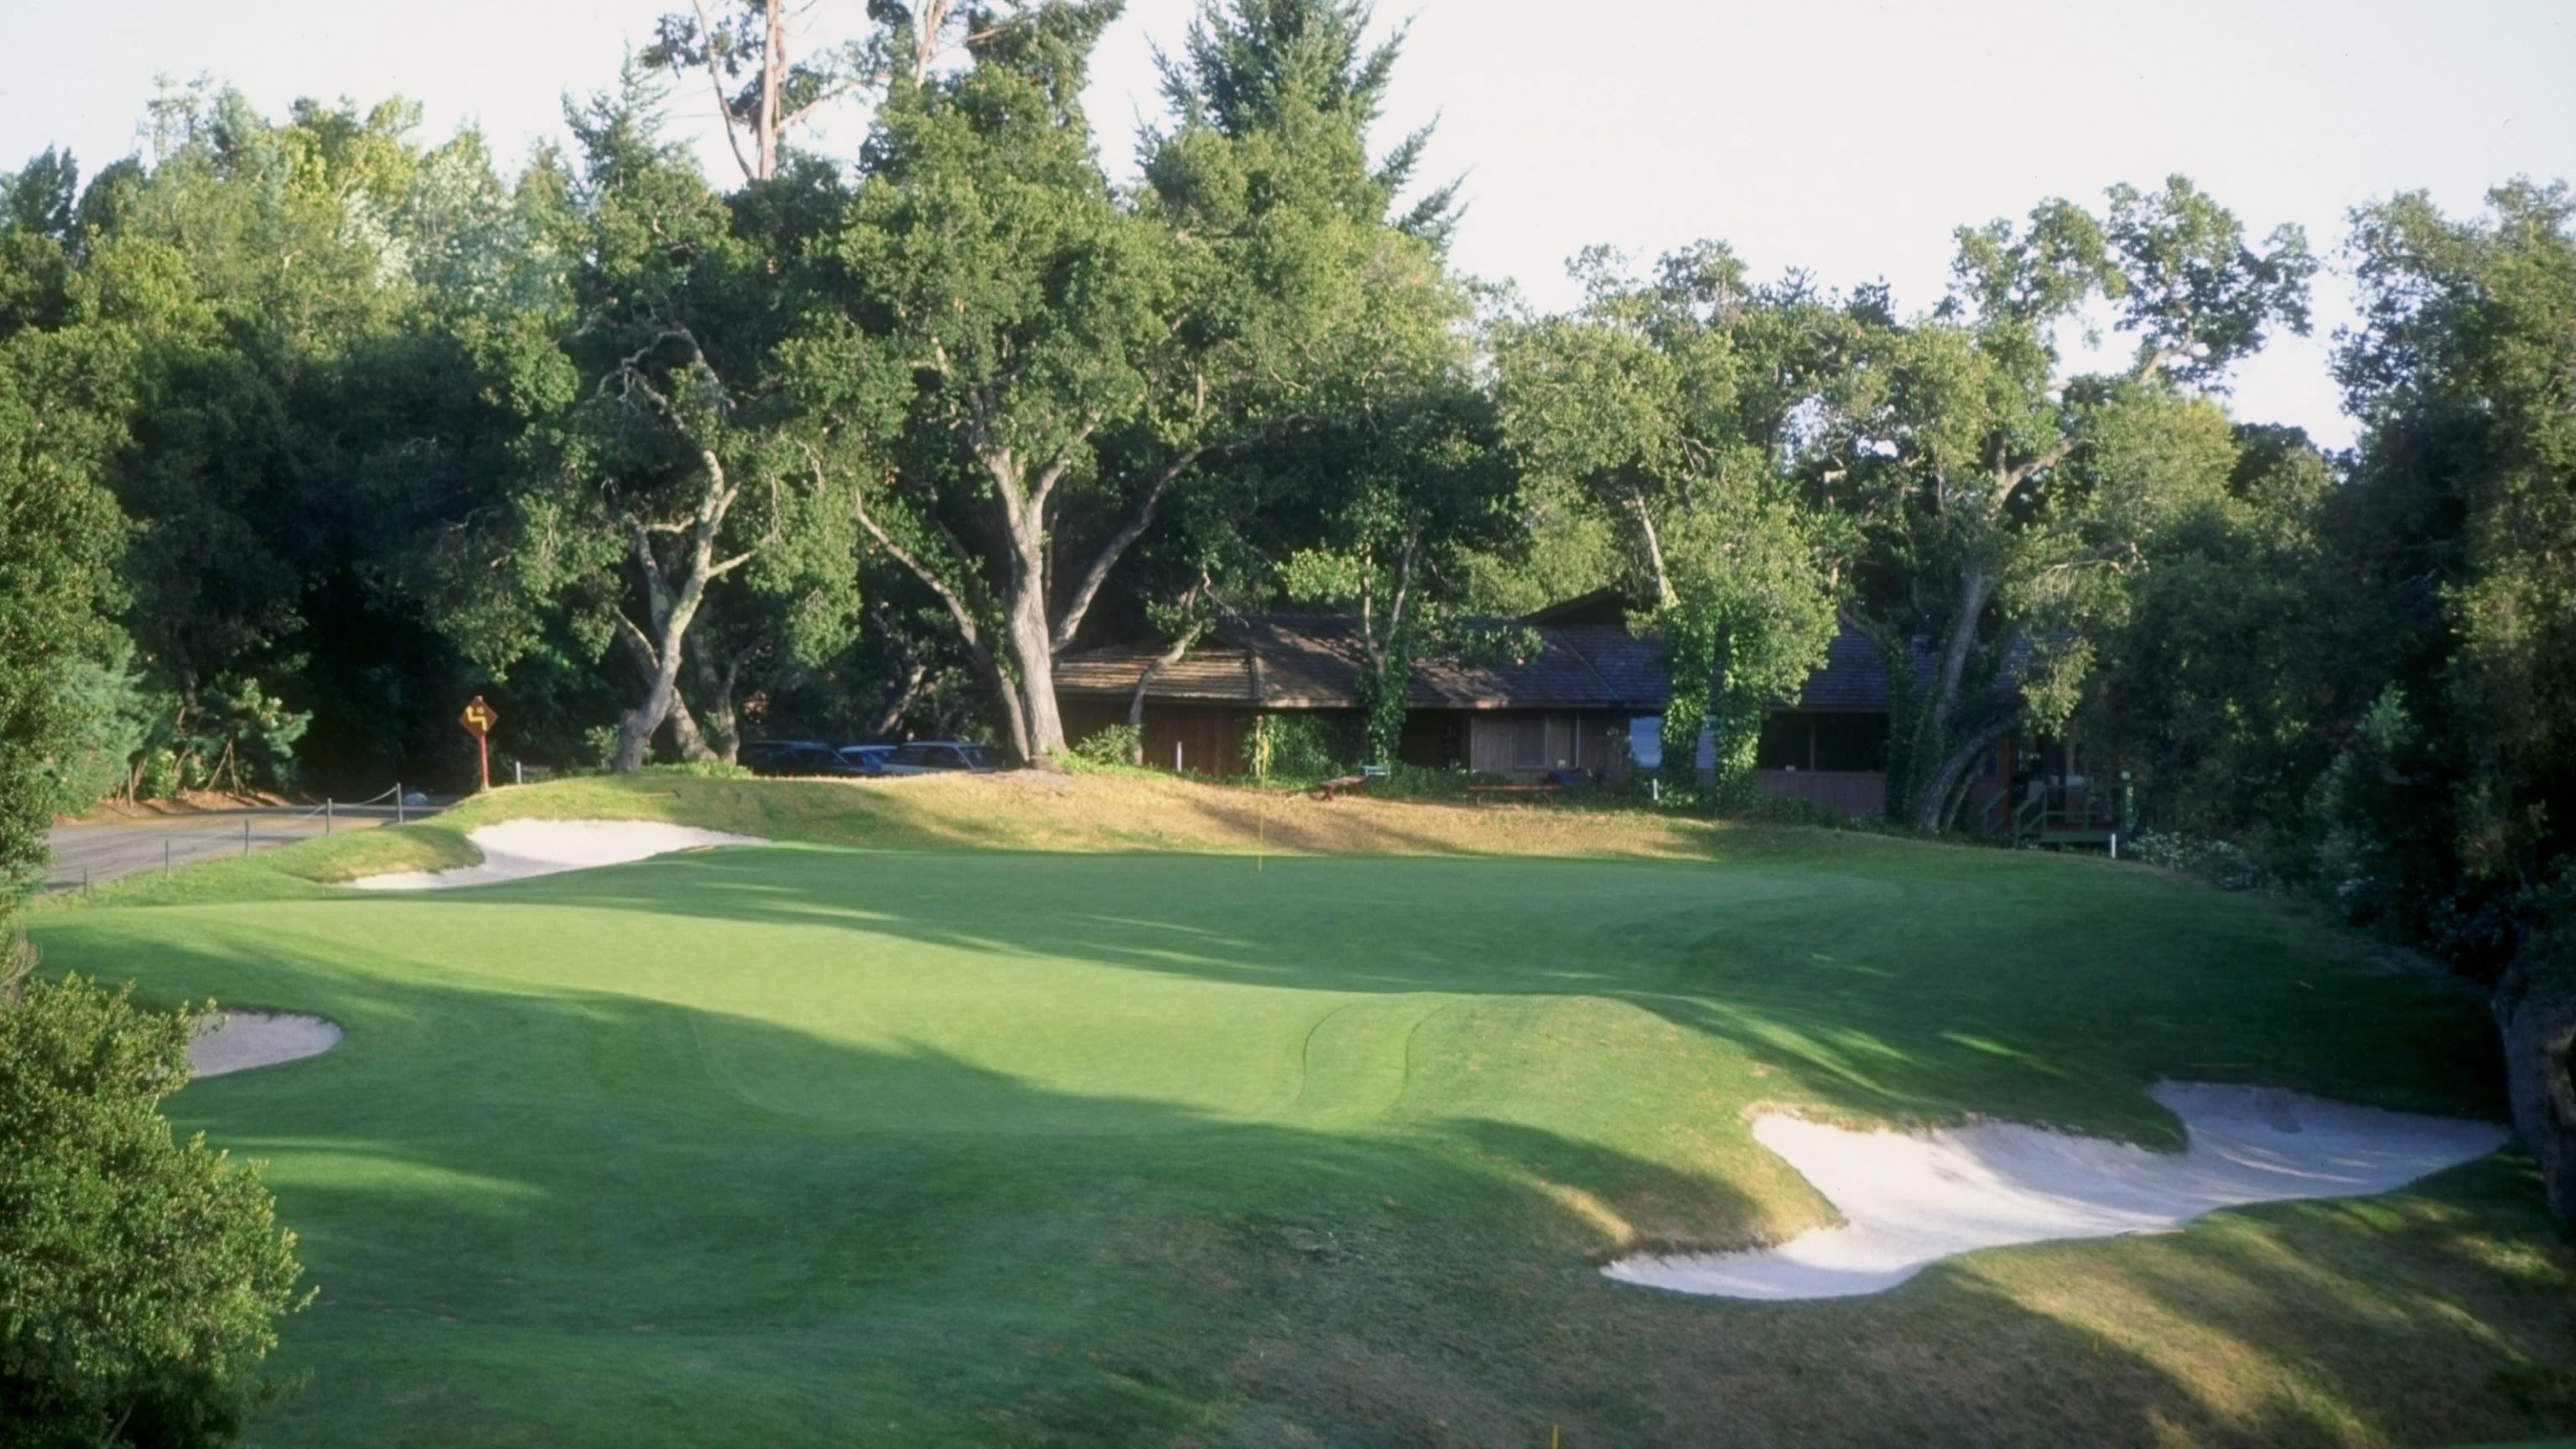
{"type": "Point", "coordinates": [479, 719]}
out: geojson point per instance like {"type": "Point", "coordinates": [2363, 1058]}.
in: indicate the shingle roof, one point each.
{"type": "Point", "coordinates": [1314, 661]}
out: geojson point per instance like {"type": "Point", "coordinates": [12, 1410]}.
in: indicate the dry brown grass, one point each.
{"type": "Point", "coordinates": [1034, 810]}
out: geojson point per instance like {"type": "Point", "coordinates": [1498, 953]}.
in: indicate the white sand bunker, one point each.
{"type": "Point", "coordinates": [519, 849]}
{"type": "Point", "coordinates": [235, 1041]}
{"type": "Point", "coordinates": [1909, 1199]}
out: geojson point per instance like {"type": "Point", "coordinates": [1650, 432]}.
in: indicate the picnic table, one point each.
{"type": "Point", "coordinates": [1334, 787]}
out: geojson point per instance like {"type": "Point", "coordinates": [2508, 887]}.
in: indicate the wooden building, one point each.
{"type": "Point", "coordinates": [1586, 686]}
{"type": "Point", "coordinates": [1563, 703]}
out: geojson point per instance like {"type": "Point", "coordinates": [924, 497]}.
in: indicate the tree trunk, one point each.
{"type": "Point", "coordinates": [1932, 729]}
{"type": "Point", "coordinates": [1035, 682]}
{"type": "Point", "coordinates": [714, 688]}
{"type": "Point", "coordinates": [958, 613]}
{"type": "Point", "coordinates": [1136, 702]}
{"type": "Point", "coordinates": [635, 727]}
{"type": "Point", "coordinates": [1975, 590]}
{"type": "Point", "coordinates": [2535, 1011]}
{"type": "Point", "coordinates": [1029, 636]}
{"type": "Point", "coordinates": [660, 652]}
{"type": "Point", "coordinates": [899, 700]}
{"type": "Point", "coordinates": [1932, 800]}
{"type": "Point", "coordinates": [685, 735]}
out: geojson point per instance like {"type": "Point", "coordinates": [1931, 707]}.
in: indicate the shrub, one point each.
{"type": "Point", "coordinates": [1311, 746]}
{"type": "Point", "coordinates": [140, 1277]}
{"type": "Point", "coordinates": [1116, 744]}
{"type": "Point", "coordinates": [159, 777]}
{"type": "Point", "coordinates": [2219, 862]}
{"type": "Point", "coordinates": [702, 770]}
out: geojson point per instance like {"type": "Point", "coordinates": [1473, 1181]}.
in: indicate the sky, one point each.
{"type": "Point", "coordinates": [1844, 137]}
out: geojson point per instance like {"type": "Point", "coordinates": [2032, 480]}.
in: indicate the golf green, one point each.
{"type": "Point", "coordinates": [818, 1145]}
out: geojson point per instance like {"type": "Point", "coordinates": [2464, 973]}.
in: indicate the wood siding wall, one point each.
{"type": "Point", "coordinates": [1209, 738]}
{"type": "Point", "coordinates": [1860, 794]}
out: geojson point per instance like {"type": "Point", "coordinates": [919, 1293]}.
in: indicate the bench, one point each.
{"type": "Point", "coordinates": [1479, 792]}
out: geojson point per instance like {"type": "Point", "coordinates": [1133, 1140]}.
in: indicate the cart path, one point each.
{"type": "Point", "coordinates": [101, 852]}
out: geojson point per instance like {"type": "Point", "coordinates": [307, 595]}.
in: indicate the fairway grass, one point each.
{"type": "Point", "coordinates": [1154, 1135]}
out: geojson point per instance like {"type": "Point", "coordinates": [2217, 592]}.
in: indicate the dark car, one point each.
{"type": "Point", "coordinates": [930, 757]}
{"type": "Point", "coordinates": [792, 757]}
{"type": "Point", "coordinates": [864, 759]}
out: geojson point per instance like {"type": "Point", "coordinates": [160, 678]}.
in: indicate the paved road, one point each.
{"type": "Point", "coordinates": [102, 852]}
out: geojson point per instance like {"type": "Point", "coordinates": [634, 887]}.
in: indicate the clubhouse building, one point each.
{"type": "Point", "coordinates": [1581, 695]}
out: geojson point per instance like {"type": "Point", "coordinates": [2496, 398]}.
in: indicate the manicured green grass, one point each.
{"type": "Point", "coordinates": [817, 1144]}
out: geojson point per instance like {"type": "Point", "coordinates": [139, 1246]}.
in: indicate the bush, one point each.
{"type": "Point", "coordinates": [702, 770]}
{"type": "Point", "coordinates": [140, 1277]}
{"type": "Point", "coordinates": [159, 778]}
{"type": "Point", "coordinates": [1311, 746]}
{"type": "Point", "coordinates": [2222, 864]}
{"type": "Point", "coordinates": [1110, 745]}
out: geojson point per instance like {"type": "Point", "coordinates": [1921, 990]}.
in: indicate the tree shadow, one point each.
{"type": "Point", "coordinates": [1915, 988]}
{"type": "Point", "coordinates": [540, 1212]}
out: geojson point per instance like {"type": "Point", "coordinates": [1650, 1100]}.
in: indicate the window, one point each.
{"type": "Point", "coordinates": [1788, 742]}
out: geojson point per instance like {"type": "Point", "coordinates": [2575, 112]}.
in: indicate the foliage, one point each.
{"type": "Point", "coordinates": [140, 1277]}
{"type": "Point", "coordinates": [1658, 408]}
{"type": "Point", "coordinates": [1305, 746]}
{"type": "Point", "coordinates": [2220, 863]}
{"type": "Point", "coordinates": [2457, 791]}
{"type": "Point", "coordinates": [58, 548]}
{"type": "Point", "coordinates": [1116, 744]}
{"type": "Point", "coordinates": [1991, 505]}
{"type": "Point", "coordinates": [111, 717]}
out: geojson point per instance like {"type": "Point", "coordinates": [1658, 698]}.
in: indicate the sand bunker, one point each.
{"type": "Point", "coordinates": [519, 849]}
{"type": "Point", "coordinates": [235, 1041]}
{"type": "Point", "coordinates": [1909, 1199]}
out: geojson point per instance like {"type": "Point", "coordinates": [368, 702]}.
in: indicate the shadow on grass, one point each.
{"type": "Point", "coordinates": [543, 1216]}
{"type": "Point", "coordinates": [1920, 986]}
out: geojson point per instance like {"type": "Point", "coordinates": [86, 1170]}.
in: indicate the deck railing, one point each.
{"type": "Point", "coordinates": [2051, 813]}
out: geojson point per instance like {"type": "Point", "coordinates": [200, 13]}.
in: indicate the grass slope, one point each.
{"type": "Point", "coordinates": [869, 1139]}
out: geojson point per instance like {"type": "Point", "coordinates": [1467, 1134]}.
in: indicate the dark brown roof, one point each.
{"type": "Point", "coordinates": [1210, 674]}
{"type": "Point", "coordinates": [1314, 661]}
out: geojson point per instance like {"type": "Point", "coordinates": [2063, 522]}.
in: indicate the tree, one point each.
{"type": "Point", "coordinates": [1660, 407]}
{"type": "Point", "coordinates": [2224, 677]}
{"type": "Point", "coordinates": [2452, 812]}
{"type": "Point", "coordinates": [1071, 360]}
{"type": "Point", "coordinates": [141, 1278]}
{"type": "Point", "coordinates": [59, 546]}
{"type": "Point", "coordinates": [657, 473]}
{"type": "Point", "coordinates": [1960, 455]}
{"type": "Point", "coordinates": [1406, 496]}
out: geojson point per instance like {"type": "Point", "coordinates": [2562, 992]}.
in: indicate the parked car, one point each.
{"type": "Point", "coordinates": [791, 757]}
{"type": "Point", "coordinates": [930, 757]}
{"type": "Point", "coordinates": [864, 759]}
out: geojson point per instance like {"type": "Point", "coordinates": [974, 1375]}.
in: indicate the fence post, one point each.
{"type": "Point", "coordinates": [245, 835]}
{"type": "Point", "coordinates": [165, 857]}
{"type": "Point", "coordinates": [84, 882]}
{"type": "Point", "coordinates": [398, 802]}
{"type": "Point", "coordinates": [326, 815]}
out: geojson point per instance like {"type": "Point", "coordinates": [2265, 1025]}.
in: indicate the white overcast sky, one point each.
{"type": "Point", "coordinates": [1843, 136]}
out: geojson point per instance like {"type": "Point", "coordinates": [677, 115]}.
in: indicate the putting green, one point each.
{"type": "Point", "coordinates": [806, 1144]}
